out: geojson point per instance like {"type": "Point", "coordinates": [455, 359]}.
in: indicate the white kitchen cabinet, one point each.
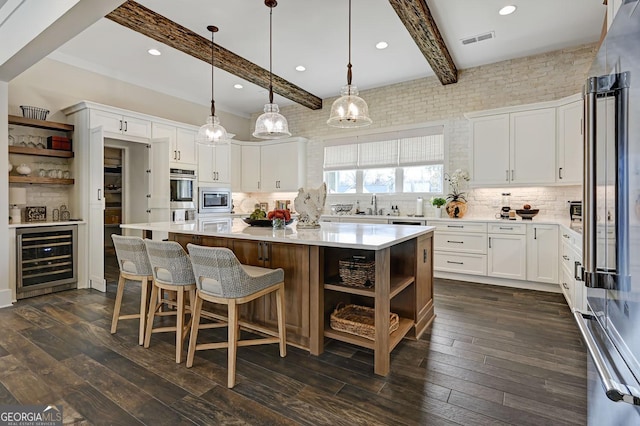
{"type": "Point", "coordinates": [570, 143]}
{"type": "Point", "coordinates": [571, 284]}
{"type": "Point", "coordinates": [460, 247]}
{"type": "Point", "coordinates": [122, 124]}
{"type": "Point", "coordinates": [542, 253]}
{"type": "Point", "coordinates": [250, 168]}
{"type": "Point", "coordinates": [506, 256]}
{"type": "Point", "coordinates": [236, 167]}
{"type": "Point", "coordinates": [182, 143]}
{"type": "Point", "coordinates": [96, 204]}
{"type": "Point", "coordinates": [214, 164]}
{"type": "Point", "coordinates": [514, 146]}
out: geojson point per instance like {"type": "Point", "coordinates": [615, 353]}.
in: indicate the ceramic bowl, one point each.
{"type": "Point", "coordinates": [527, 214]}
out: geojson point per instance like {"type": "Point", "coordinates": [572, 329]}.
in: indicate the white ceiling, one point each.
{"type": "Point", "coordinates": [314, 34]}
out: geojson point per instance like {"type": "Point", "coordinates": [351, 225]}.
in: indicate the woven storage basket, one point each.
{"type": "Point", "coordinates": [358, 271]}
{"type": "Point", "coordinates": [359, 320]}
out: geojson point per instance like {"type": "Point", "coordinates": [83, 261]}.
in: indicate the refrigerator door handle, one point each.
{"type": "Point", "coordinates": [614, 390]}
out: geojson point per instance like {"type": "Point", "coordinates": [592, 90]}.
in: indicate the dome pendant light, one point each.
{"type": "Point", "coordinates": [271, 124]}
{"type": "Point", "coordinates": [349, 110]}
{"type": "Point", "coordinates": [212, 133]}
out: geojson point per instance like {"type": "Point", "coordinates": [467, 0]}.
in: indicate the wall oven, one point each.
{"type": "Point", "coordinates": [214, 200]}
{"type": "Point", "coordinates": [182, 199]}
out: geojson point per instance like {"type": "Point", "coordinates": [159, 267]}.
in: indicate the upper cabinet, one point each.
{"type": "Point", "coordinates": [236, 167]}
{"type": "Point", "coordinates": [274, 166]}
{"type": "Point", "coordinates": [182, 143]}
{"type": "Point", "coordinates": [121, 124]}
{"type": "Point", "coordinates": [538, 144]}
{"type": "Point", "coordinates": [214, 164]}
{"type": "Point", "coordinates": [250, 174]}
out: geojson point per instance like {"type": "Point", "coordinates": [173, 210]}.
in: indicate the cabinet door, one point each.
{"type": "Point", "coordinates": [533, 146]}
{"type": "Point", "coordinates": [235, 172]}
{"type": "Point", "coordinates": [159, 180]}
{"type": "Point", "coordinates": [250, 168]}
{"type": "Point", "coordinates": [490, 136]}
{"type": "Point", "coordinates": [139, 127]}
{"type": "Point", "coordinates": [570, 147]}
{"type": "Point", "coordinates": [270, 163]}
{"type": "Point", "coordinates": [221, 154]}
{"type": "Point", "coordinates": [507, 256]}
{"type": "Point", "coordinates": [96, 210]}
{"type": "Point", "coordinates": [186, 146]}
{"type": "Point", "coordinates": [288, 168]}
{"type": "Point", "coordinates": [542, 253]}
{"type": "Point", "coordinates": [424, 282]}
{"type": "Point", "coordinates": [206, 165]}
{"type": "Point", "coordinates": [161, 131]}
{"type": "Point", "coordinates": [109, 121]}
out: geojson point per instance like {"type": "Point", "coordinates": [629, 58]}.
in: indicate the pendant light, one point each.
{"type": "Point", "coordinates": [271, 124]}
{"type": "Point", "coordinates": [212, 133]}
{"type": "Point", "coordinates": [349, 110]}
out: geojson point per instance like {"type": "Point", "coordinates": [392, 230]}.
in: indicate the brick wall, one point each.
{"type": "Point", "coordinates": [537, 78]}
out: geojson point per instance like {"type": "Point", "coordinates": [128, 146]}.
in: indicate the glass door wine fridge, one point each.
{"type": "Point", "coordinates": [46, 258]}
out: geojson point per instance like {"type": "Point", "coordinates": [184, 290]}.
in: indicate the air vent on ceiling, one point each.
{"type": "Point", "coordinates": [477, 38]}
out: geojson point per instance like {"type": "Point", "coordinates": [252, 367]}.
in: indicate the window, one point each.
{"type": "Point", "coordinates": [400, 162]}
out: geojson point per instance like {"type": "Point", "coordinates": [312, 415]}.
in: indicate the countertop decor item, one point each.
{"type": "Point", "coordinates": [35, 214]}
{"type": "Point", "coordinates": [457, 201]}
{"type": "Point", "coordinates": [309, 205]}
{"type": "Point", "coordinates": [34, 112]}
{"type": "Point", "coordinates": [23, 169]}
{"type": "Point", "coordinates": [359, 320]}
{"type": "Point", "coordinates": [349, 110]}
{"type": "Point", "coordinates": [17, 198]}
{"type": "Point", "coordinates": [271, 124]}
{"type": "Point", "coordinates": [527, 214]}
{"type": "Point", "coordinates": [263, 222]}
{"type": "Point", "coordinates": [212, 132]}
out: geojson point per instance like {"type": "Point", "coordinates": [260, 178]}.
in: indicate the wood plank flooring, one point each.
{"type": "Point", "coordinates": [494, 356]}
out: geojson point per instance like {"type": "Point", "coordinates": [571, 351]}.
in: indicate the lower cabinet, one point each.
{"type": "Point", "coordinates": [507, 256]}
{"type": "Point", "coordinates": [460, 247]}
{"type": "Point", "coordinates": [570, 262]}
{"type": "Point", "coordinates": [542, 249]}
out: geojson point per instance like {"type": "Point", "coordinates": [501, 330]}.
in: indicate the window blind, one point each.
{"type": "Point", "coordinates": [341, 157]}
{"type": "Point", "coordinates": [421, 150]}
{"type": "Point", "coordinates": [378, 154]}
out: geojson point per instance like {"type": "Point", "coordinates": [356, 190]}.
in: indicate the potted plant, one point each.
{"type": "Point", "coordinates": [457, 202]}
{"type": "Point", "coordinates": [438, 202]}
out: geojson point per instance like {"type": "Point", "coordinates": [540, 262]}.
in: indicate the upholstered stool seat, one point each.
{"type": "Point", "coordinates": [134, 266]}
{"type": "Point", "coordinates": [222, 279]}
{"type": "Point", "coordinates": [172, 272]}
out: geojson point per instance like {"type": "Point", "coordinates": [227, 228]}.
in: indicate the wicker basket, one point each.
{"type": "Point", "coordinates": [358, 271]}
{"type": "Point", "coordinates": [34, 112]}
{"type": "Point", "coordinates": [359, 320]}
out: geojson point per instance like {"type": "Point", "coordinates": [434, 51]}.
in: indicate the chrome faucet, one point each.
{"type": "Point", "coordinates": [374, 203]}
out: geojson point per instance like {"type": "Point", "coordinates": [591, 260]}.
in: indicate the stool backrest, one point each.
{"type": "Point", "coordinates": [170, 264]}
{"type": "Point", "coordinates": [219, 272]}
{"type": "Point", "coordinates": [132, 255]}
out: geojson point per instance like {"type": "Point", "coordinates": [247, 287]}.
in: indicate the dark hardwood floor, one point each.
{"type": "Point", "coordinates": [494, 356]}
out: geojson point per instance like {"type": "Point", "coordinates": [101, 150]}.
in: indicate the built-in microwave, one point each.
{"type": "Point", "coordinates": [214, 200]}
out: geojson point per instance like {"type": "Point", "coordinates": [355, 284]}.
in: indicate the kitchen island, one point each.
{"type": "Point", "coordinates": [313, 287]}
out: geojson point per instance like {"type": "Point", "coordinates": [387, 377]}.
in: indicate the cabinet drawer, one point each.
{"type": "Point", "coordinates": [507, 228]}
{"type": "Point", "coordinates": [452, 226]}
{"type": "Point", "coordinates": [475, 264]}
{"type": "Point", "coordinates": [566, 256]}
{"type": "Point", "coordinates": [460, 242]}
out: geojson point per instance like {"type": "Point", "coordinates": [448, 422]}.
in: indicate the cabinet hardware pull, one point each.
{"type": "Point", "coordinates": [565, 257]}
{"type": "Point", "coordinates": [565, 286]}
{"type": "Point", "coordinates": [175, 155]}
{"type": "Point", "coordinates": [179, 155]}
{"type": "Point", "coordinates": [576, 265]}
{"type": "Point", "coordinates": [456, 263]}
{"type": "Point", "coordinates": [560, 173]}
{"type": "Point", "coordinates": [424, 255]}
{"type": "Point", "coordinates": [125, 125]}
{"type": "Point", "coordinates": [535, 233]}
{"type": "Point", "coordinates": [260, 250]}
{"type": "Point", "coordinates": [120, 125]}
{"type": "Point", "coordinates": [507, 179]}
{"type": "Point", "coordinates": [148, 195]}
{"type": "Point", "coordinates": [565, 236]}
{"type": "Point", "coordinates": [99, 194]}
{"type": "Point", "coordinates": [512, 175]}
{"type": "Point", "coordinates": [489, 242]}
{"type": "Point", "coordinates": [455, 226]}
{"type": "Point", "coordinates": [149, 211]}
{"type": "Point", "coordinates": [457, 242]}
{"type": "Point", "coordinates": [506, 228]}
{"type": "Point", "coordinates": [266, 251]}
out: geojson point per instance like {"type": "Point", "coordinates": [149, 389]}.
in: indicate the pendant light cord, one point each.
{"type": "Point", "coordinates": [349, 64]}
{"type": "Point", "coordinates": [213, 102]}
{"type": "Point", "coordinates": [271, 54]}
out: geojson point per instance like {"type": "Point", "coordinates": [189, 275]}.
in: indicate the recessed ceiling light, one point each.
{"type": "Point", "coordinates": [238, 86]}
{"type": "Point", "coordinates": [300, 68]}
{"type": "Point", "coordinates": [382, 45]}
{"type": "Point", "coordinates": [154, 52]}
{"type": "Point", "coordinates": [507, 10]}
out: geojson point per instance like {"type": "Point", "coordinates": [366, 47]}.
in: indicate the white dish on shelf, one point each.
{"type": "Point", "coordinates": [248, 205]}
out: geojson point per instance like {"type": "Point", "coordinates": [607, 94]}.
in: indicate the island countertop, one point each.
{"type": "Point", "coordinates": [330, 234]}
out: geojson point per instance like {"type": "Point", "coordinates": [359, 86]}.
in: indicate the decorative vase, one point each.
{"type": "Point", "coordinates": [23, 169]}
{"type": "Point", "coordinates": [278, 223]}
{"type": "Point", "coordinates": [456, 209]}
{"type": "Point", "coordinates": [438, 212]}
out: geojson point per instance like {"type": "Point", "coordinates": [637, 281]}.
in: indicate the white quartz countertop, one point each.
{"type": "Point", "coordinates": [36, 224]}
{"type": "Point", "coordinates": [330, 234]}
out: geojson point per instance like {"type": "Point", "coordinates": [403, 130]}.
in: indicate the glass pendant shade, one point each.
{"type": "Point", "coordinates": [212, 132]}
{"type": "Point", "coordinates": [271, 124]}
{"type": "Point", "coordinates": [349, 110]}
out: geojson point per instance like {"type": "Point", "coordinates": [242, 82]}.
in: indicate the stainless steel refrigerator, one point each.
{"type": "Point", "coordinates": [611, 216]}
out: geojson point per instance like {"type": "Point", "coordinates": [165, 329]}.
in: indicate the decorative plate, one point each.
{"type": "Point", "coordinates": [263, 222]}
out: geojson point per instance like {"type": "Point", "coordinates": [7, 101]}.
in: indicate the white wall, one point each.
{"type": "Point", "coordinates": [5, 292]}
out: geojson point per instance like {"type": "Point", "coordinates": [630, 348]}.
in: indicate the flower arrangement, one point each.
{"type": "Point", "coordinates": [438, 202]}
{"type": "Point", "coordinates": [456, 180]}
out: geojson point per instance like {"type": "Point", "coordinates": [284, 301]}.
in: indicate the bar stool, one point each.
{"type": "Point", "coordinates": [134, 266]}
{"type": "Point", "coordinates": [172, 271]}
{"type": "Point", "coordinates": [222, 279]}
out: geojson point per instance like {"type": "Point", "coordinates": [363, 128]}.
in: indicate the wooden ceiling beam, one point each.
{"type": "Point", "coordinates": [151, 24]}
{"type": "Point", "coordinates": [416, 17]}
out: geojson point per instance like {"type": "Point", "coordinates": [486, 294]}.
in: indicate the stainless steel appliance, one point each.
{"type": "Point", "coordinates": [214, 200]}
{"type": "Point", "coordinates": [504, 211]}
{"type": "Point", "coordinates": [575, 211]}
{"type": "Point", "coordinates": [182, 184]}
{"type": "Point", "coordinates": [611, 225]}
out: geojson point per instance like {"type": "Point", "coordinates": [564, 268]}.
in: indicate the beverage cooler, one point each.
{"type": "Point", "coordinates": [46, 260]}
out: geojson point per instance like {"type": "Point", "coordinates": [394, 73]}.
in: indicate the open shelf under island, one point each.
{"type": "Point", "coordinates": [310, 259]}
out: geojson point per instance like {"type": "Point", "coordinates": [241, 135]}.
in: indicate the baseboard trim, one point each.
{"type": "Point", "coordinates": [527, 285]}
{"type": "Point", "coordinates": [6, 299]}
